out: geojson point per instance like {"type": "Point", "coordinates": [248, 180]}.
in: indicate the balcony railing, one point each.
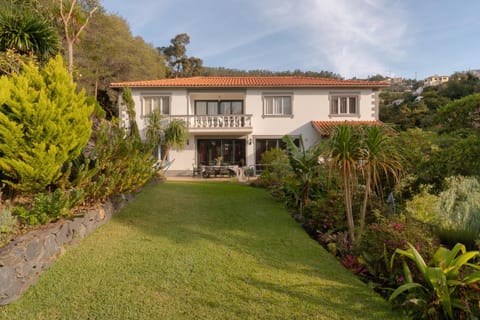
{"type": "Point", "coordinates": [235, 121]}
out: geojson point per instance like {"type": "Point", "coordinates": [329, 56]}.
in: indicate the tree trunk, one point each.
{"type": "Point", "coordinates": [348, 206]}
{"type": "Point", "coordinates": [70, 55]}
{"type": "Point", "coordinates": [364, 206]}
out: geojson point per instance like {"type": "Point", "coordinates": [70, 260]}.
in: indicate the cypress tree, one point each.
{"type": "Point", "coordinates": [44, 124]}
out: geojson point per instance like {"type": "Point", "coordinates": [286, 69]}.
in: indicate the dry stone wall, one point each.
{"type": "Point", "coordinates": [24, 259]}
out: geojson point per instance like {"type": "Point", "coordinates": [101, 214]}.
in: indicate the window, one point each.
{"type": "Point", "coordinates": [343, 105]}
{"type": "Point", "coordinates": [277, 105]}
{"type": "Point", "coordinates": [264, 145]}
{"type": "Point", "coordinates": [151, 103]}
{"type": "Point", "coordinates": [221, 107]}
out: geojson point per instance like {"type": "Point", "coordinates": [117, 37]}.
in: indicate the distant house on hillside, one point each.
{"type": "Point", "coordinates": [436, 80]}
{"type": "Point", "coordinates": [237, 119]}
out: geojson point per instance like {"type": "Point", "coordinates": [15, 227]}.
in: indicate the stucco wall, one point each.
{"type": "Point", "coordinates": [308, 105]}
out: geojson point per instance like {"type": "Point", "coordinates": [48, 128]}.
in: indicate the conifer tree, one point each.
{"type": "Point", "coordinates": [44, 124]}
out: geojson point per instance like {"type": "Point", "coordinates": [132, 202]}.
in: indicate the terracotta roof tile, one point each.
{"type": "Point", "coordinates": [325, 128]}
{"type": "Point", "coordinates": [250, 82]}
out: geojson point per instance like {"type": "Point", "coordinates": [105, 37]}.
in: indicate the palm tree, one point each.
{"type": "Point", "coordinates": [379, 157]}
{"type": "Point", "coordinates": [27, 33]}
{"type": "Point", "coordinates": [154, 131]}
{"type": "Point", "coordinates": [176, 136]}
{"type": "Point", "coordinates": [344, 152]}
{"type": "Point", "coordinates": [304, 164]}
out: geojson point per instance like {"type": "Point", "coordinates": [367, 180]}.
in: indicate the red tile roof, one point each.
{"type": "Point", "coordinates": [251, 82]}
{"type": "Point", "coordinates": [325, 128]}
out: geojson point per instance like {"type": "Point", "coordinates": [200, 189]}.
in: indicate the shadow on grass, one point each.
{"type": "Point", "coordinates": [237, 224]}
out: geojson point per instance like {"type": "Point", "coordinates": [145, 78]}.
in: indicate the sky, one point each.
{"type": "Point", "coordinates": [413, 39]}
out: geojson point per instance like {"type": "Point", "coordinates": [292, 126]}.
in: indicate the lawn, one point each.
{"type": "Point", "coordinates": [199, 250]}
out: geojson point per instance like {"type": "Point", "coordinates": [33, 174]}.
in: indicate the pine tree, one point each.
{"type": "Point", "coordinates": [44, 124]}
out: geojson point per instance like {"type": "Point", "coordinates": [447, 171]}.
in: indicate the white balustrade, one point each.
{"type": "Point", "coordinates": [217, 121]}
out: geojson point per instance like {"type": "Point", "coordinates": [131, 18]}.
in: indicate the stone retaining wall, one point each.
{"type": "Point", "coordinates": [24, 259]}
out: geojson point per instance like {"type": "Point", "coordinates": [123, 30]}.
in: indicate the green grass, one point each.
{"type": "Point", "coordinates": [199, 251]}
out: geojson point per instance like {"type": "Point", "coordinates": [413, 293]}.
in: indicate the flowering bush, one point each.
{"type": "Point", "coordinates": [381, 240]}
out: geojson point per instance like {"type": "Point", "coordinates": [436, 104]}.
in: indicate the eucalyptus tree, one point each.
{"type": "Point", "coordinates": [75, 15]}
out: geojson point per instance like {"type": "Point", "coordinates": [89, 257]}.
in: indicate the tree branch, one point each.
{"type": "Point", "coordinates": [90, 14]}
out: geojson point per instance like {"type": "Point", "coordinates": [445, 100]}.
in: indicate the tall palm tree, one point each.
{"type": "Point", "coordinates": [379, 157]}
{"type": "Point", "coordinates": [27, 33]}
{"type": "Point", "coordinates": [344, 152]}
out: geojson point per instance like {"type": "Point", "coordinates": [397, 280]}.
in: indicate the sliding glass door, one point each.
{"type": "Point", "coordinates": [228, 151]}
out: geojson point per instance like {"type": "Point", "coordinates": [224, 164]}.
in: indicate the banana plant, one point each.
{"type": "Point", "coordinates": [448, 272]}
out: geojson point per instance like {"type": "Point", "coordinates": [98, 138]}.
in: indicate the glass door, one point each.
{"type": "Point", "coordinates": [228, 151]}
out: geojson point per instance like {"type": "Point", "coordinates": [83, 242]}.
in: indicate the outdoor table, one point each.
{"type": "Point", "coordinates": [215, 170]}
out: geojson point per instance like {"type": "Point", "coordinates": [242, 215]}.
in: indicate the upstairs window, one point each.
{"type": "Point", "coordinates": [151, 103]}
{"type": "Point", "coordinates": [277, 105]}
{"type": "Point", "coordinates": [343, 105]}
{"type": "Point", "coordinates": [218, 107]}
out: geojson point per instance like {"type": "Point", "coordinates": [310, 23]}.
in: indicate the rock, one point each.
{"type": "Point", "coordinates": [33, 249]}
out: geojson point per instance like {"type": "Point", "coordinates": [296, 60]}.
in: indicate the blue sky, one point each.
{"type": "Point", "coordinates": [355, 38]}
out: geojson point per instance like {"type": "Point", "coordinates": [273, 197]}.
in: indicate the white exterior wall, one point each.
{"type": "Point", "coordinates": [307, 105]}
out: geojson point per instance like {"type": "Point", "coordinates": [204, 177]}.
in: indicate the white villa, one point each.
{"type": "Point", "coordinates": [238, 118]}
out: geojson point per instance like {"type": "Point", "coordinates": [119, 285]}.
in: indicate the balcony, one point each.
{"type": "Point", "coordinates": [216, 123]}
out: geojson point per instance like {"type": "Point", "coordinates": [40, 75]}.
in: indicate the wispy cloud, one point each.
{"type": "Point", "coordinates": [347, 36]}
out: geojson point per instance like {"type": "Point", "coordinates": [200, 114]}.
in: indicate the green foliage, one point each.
{"type": "Point", "coordinates": [223, 250]}
{"type": "Point", "coordinates": [344, 152]}
{"type": "Point", "coordinates": [117, 164]}
{"type": "Point", "coordinates": [47, 207]}
{"type": "Point", "coordinates": [423, 206]}
{"type": "Point", "coordinates": [276, 168]}
{"type": "Point", "coordinates": [430, 158]}
{"type": "Point", "coordinates": [26, 32]}
{"type": "Point", "coordinates": [44, 124]}
{"type": "Point", "coordinates": [226, 72]}
{"type": "Point", "coordinates": [108, 52]}
{"type": "Point", "coordinates": [459, 205]}
{"type": "Point", "coordinates": [7, 220]}
{"type": "Point", "coordinates": [444, 287]}
{"type": "Point", "coordinates": [461, 114]}
{"type": "Point", "coordinates": [305, 166]}
{"type": "Point", "coordinates": [130, 108]}
{"type": "Point", "coordinates": [380, 160]}
{"type": "Point", "coordinates": [176, 58]}
{"type": "Point", "coordinates": [176, 134]}
{"type": "Point", "coordinates": [383, 237]}
{"type": "Point", "coordinates": [175, 137]}
{"type": "Point", "coordinates": [461, 85]}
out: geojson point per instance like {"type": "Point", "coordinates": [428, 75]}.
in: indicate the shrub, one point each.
{"type": "Point", "coordinates": [47, 207]}
{"type": "Point", "coordinates": [324, 216]}
{"type": "Point", "coordinates": [276, 168]}
{"type": "Point", "coordinates": [44, 124]}
{"type": "Point", "coordinates": [446, 288]}
{"type": "Point", "coordinates": [115, 165]}
{"type": "Point", "coordinates": [7, 220]}
{"type": "Point", "coordinates": [459, 207]}
{"type": "Point", "coordinates": [381, 240]}
{"type": "Point", "coordinates": [423, 206]}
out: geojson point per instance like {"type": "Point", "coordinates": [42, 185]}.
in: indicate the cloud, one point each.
{"type": "Point", "coordinates": [352, 37]}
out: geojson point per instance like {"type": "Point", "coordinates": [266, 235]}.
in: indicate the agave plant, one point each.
{"type": "Point", "coordinates": [442, 289]}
